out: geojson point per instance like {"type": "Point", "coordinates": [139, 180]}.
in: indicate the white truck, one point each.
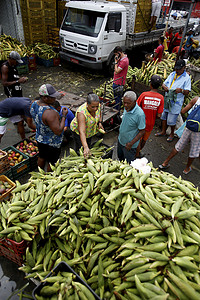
{"type": "Point", "coordinates": [92, 29]}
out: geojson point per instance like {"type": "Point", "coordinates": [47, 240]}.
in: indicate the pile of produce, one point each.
{"type": "Point", "coordinates": [14, 157]}
{"type": "Point", "coordinates": [163, 69]}
{"type": "Point", "coordinates": [128, 235]}
{"type": "Point", "coordinates": [44, 51]}
{"type": "Point", "coordinates": [8, 44]}
{"type": "Point", "coordinates": [27, 148]}
{"type": "Point", "coordinates": [195, 62]}
{"type": "Point", "coordinates": [5, 186]}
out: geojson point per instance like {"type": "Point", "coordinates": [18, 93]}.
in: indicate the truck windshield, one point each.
{"type": "Point", "coordinates": [83, 21]}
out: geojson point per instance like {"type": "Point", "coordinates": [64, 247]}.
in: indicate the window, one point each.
{"type": "Point", "coordinates": [114, 22]}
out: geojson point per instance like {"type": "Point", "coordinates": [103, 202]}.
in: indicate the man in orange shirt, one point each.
{"type": "Point", "coordinates": [152, 103]}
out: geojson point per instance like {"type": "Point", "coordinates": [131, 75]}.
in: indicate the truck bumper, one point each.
{"type": "Point", "coordinates": [68, 56]}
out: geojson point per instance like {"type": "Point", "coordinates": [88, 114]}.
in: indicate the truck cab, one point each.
{"type": "Point", "coordinates": [90, 31]}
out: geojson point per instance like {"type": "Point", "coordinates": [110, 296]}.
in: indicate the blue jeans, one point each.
{"type": "Point", "coordinates": [117, 95]}
{"type": "Point", "coordinates": [123, 153]}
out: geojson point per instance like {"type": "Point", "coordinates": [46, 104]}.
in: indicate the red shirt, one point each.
{"type": "Point", "coordinates": [122, 64]}
{"type": "Point", "coordinates": [152, 103]}
{"type": "Point", "coordinates": [169, 37]}
{"type": "Point", "coordinates": [177, 40]}
{"type": "Point", "coordinates": [175, 49]}
{"type": "Point", "coordinates": [159, 50]}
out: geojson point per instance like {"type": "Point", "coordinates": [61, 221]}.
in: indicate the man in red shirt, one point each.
{"type": "Point", "coordinates": [152, 103]}
{"type": "Point", "coordinates": [120, 72]}
{"type": "Point", "coordinates": [177, 38]}
{"type": "Point", "coordinates": [159, 50]}
{"type": "Point", "coordinates": [169, 36]}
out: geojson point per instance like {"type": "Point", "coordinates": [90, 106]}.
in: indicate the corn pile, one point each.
{"type": "Point", "coordinates": [8, 44]}
{"type": "Point", "coordinates": [195, 62]}
{"type": "Point", "coordinates": [44, 51]}
{"type": "Point", "coordinates": [163, 69]}
{"type": "Point", "coordinates": [128, 235]}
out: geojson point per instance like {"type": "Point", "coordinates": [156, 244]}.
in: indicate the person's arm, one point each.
{"type": "Point", "coordinates": [100, 122]}
{"type": "Point", "coordinates": [184, 92]}
{"type": "Point", "coordinates": [51, 119]}
{"type": "Point", "coordinates": [189, 105]}
{"type": "Point", "coordinates": [4, 71]}
{"type": "Point", "coordinates": [165, 88]}
{"type": "Point", "coordinates": [30, 123]}
{"type": "Point", "coordinates": [82, 132]}
{"type": "Point", "coordinates": [129, 145]}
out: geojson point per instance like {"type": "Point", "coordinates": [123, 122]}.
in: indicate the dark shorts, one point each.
{"type": "Point", "coordinates": [123, 153]}
{"type": "Point", "coordinates": [49, 153]}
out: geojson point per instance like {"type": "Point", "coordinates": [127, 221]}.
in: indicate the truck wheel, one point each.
{"type": "Point", "coordinates": [110, 67]}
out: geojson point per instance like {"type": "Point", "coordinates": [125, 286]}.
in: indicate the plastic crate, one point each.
{"type": "Point", "coordinates": [32, 159]}
{"type": "Point", "coordinates": [12, 184]}
{"type": "Point", "coordinates": [56, 61]}
{"type": "Point", "coordinates": [22, 69]}
{"type": "Point", "coordinates": [48, 62]}
{"type": "Point", "coordinates": [4, 162]}
{"type": "Point", "coordinates": [8, 174]}
{"type": "Point", "coordinates": [63, 267]}
{"type": "Point", "coordinates": [21, 168]}
{"type": "Point", "coordinates": [25, 61]}
{"type": "Point", "coordinates": [12, 250]}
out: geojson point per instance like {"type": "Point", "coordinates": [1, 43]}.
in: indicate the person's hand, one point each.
{"type": "Point", "coordinates": [101, 126]}
{"type": "Point", "coordinates": [128, 146]}
{"type": "Point", "coordinates": [86, 152]}
{"type": "Point", "coordinates": [64, 111]}
{"type": "Point", "coordinates": [178, 90]}
{"type": "Point", "coordinates": [22, 79]}
{"type": "Point", "coordinates": [165, 88]}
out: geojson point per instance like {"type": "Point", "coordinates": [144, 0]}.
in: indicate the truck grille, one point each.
{"type": "Point", "coordinates": [77, 46]}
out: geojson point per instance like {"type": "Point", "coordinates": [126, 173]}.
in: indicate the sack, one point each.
{"type": "Point", "coordinates": [193, 120]}
{"type": "Point", "coordinates": [169, 97]}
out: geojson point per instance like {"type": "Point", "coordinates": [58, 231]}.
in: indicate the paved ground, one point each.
{"type": "Point", "coordinates": [80, 82]}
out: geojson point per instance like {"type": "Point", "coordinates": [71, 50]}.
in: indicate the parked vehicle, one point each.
{"type": "Point", "coordinates": [92, 29]}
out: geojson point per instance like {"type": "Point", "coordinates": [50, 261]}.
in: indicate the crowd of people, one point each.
{"type": "Point", "coordinates": [51, 121]}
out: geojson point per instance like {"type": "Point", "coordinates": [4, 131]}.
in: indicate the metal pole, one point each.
{"type": "Point", "coordinates": [185, 29]}
{"type": "Point", "coordinates": [169, 13]}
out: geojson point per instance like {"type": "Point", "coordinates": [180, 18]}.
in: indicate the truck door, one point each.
{"type": "Point", "coordinates": [114, 34]}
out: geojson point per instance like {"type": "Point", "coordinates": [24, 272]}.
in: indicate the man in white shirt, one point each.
{"type": "Point", "coordinates": [155, 12]}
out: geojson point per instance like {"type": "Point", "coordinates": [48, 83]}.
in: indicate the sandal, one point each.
{"type": "Point", "coordinates": [170, 139]}
{"type": "Point", "coordinates": [160, 134]}
{"type": "Point", "coordinates": [187, 172]}
{"type": "Point", "coordinates": [161, 167]}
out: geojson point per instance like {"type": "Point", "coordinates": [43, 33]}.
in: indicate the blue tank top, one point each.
{"type": "Point", "coordinates": [44, 134]}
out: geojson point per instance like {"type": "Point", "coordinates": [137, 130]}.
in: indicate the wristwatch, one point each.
{"type": "Point", "coordinates": [182, 91]}
{"type": "Point", "coordinates": [62, 116]}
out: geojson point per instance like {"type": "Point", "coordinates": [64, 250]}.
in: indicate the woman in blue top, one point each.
{"type": "Point", "coordinates": [49, 126]}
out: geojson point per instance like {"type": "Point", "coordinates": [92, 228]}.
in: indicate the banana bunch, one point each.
{"type": "Point", "coordinates": [195, 91]}
{"type": "Point", "coordinates": [128, 235]}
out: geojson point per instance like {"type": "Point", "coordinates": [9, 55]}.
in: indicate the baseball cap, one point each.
{"type": "Point", "coordinates": [156, 79]}
{"type": "Point", "coordinates": [48, 90]}
{"type": "Point", "coordinates": [179, 64]}
{"type": "Point", "coordinates": [15, 55]}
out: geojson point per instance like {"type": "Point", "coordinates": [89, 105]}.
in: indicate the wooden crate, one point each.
{"type": "Point", "coordinates": [12, 184]}
{"type": "Point", "coordinates": [4, 162]}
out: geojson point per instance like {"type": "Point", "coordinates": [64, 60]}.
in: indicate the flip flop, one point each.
{"type": "Point", "coordinates": [160, 134]}
{"type": "Point", "coordinates": [161, 167]}
{"type": "Point", "coordinates": [170, 139]}
{"type": "Point", "coordinates": [190, 169]}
